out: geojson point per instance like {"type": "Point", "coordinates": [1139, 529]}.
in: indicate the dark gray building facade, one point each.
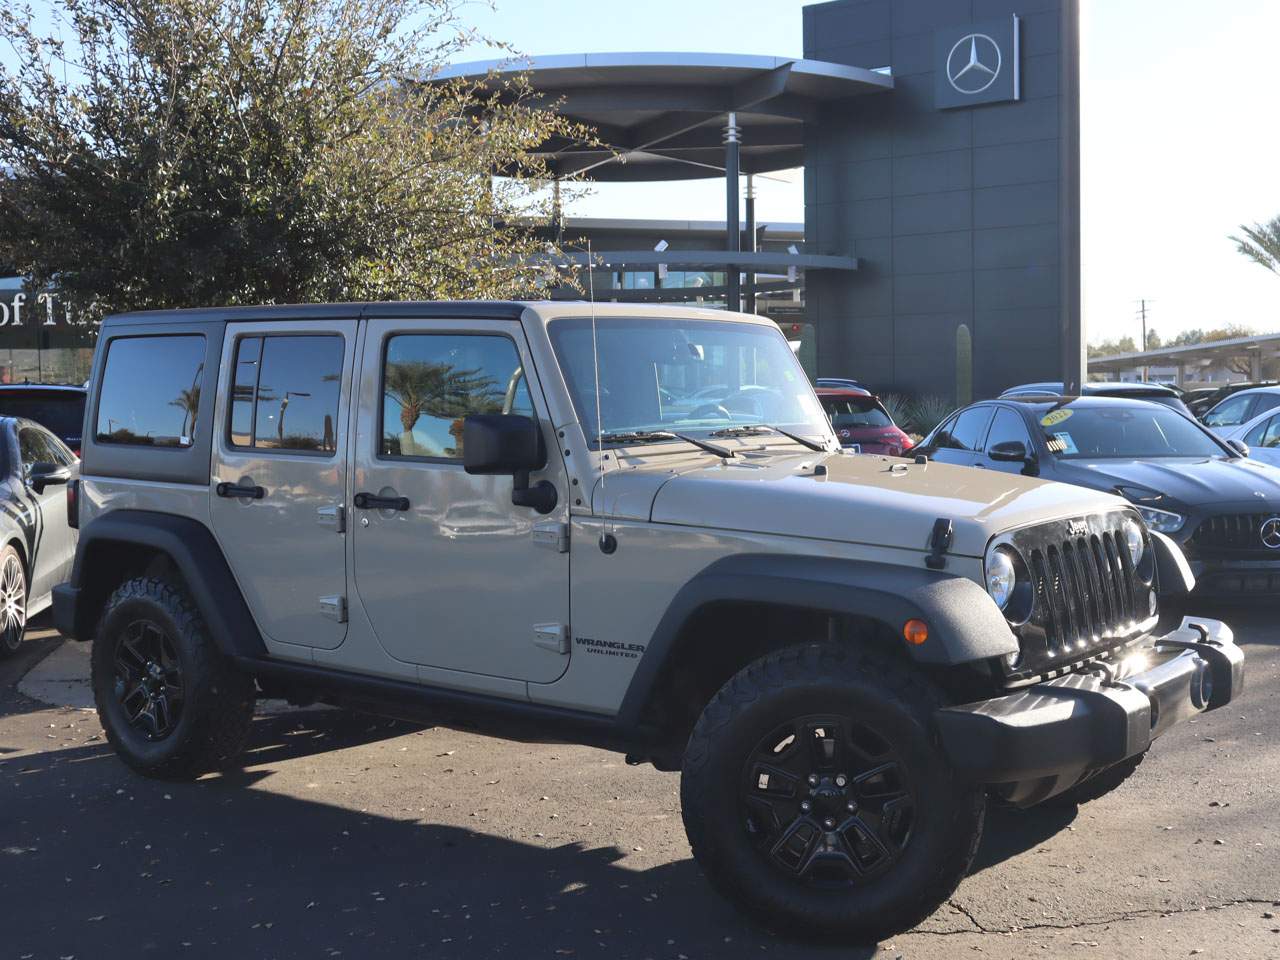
{"type": "Point", "coordinates": [950, 194]}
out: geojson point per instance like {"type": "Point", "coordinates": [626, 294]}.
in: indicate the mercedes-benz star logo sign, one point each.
{"type": "Point", "coordinates": [1270, 533]}
{"type": "Point", "coordinates": [974, 63]}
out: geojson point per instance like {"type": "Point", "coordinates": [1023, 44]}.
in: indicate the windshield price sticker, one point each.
{"type": "Point", "coordinates": [1055, 417]}
{"type": "Point", "coordinates": [1061, 443]}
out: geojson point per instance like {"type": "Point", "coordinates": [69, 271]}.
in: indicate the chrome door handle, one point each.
{"type": "Point", "coordinates": [368, 501]}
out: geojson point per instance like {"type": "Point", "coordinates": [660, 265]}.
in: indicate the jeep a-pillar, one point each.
{"type": "Point", "coordinates": [624, 526]}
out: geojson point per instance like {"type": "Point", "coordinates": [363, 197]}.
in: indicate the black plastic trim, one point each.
{"type": "Point", "coordinates": [964, 623]}
{"type": "Point", "coordinates": [420, 703]}
{"type": "Point", "coordinates": [194, 551]}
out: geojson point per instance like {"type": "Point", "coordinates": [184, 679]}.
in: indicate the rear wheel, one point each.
{"type": "Point", "coordinates": [171, 704]}
{"type": "Point", "coordinates": [13, 601]}
{"type": "Point", "coordinates": [815, 797]}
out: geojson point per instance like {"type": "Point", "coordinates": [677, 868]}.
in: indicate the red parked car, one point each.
{"type": "Point", "coordinates": [861, 421]}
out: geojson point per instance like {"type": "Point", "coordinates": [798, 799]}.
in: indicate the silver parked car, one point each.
{"type": "Point", "coordinates": [1261, 435]}
{"type": "Point", "coordinates": [1240, 409]}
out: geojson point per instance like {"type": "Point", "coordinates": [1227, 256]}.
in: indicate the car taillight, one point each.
{"type": "Point", "coordinates": [73, 504]}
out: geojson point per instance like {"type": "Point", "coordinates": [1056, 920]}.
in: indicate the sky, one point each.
{"type": "Point", "coordinates": [1181, 142]}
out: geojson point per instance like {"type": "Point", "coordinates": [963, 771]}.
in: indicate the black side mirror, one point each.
{"type": "Point", "coordinates": [494, 443]}
{"type": "Point", "coordinates": [1010, 451]}
{"type": "Point", "coordinates": [41, 475]}
{"type": "Point", "coordinates": [1239, 446]}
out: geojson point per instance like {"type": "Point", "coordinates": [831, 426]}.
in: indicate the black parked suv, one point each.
{"type": "Point", "coordinates": [59, 408]}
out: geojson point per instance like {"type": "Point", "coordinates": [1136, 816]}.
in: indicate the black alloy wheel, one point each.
{"type": "Point", "coordinates": [148, 679]}
{"type": "Point", "coordinates": [827, 801]}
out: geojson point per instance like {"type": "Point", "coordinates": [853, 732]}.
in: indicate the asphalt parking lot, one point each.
{"type": "Point", "coordinates": [349, 836]}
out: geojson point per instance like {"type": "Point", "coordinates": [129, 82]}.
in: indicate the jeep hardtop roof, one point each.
{"type": "Point", "coordinates": [477, 309]}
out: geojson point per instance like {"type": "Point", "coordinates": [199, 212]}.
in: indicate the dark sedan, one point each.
{"type": "Point", "coordinates": [1222, 508]}
{"type": "Point", "coordinates": [1155, 392]}
{"type": "Point", "coordinates": [57, 407]}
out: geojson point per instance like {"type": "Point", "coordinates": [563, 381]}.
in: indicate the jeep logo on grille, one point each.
{"type": "Point", "coordinates": [1270, 533]}
{"type": "Point", "coordinates": [1077, 528]}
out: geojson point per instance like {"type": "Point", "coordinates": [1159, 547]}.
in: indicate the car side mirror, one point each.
{"type": "Point", "coordinates": [1239, 446]}
{"type": "Point", "coordinates": [41, 475]}
{"type": "Point", "coordinates": [497, 444]}
{"type": "Point", "coordinates": [1009, 451]}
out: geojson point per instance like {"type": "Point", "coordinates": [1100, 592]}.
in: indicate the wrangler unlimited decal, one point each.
{"type": "Point", "coordinates": [610, 648]}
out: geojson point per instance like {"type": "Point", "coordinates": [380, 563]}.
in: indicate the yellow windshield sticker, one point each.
{"type": "Point", "coordinates": [1054, 417]}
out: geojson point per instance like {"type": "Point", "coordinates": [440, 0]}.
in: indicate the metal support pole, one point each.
{"type": "Point", "coordinates": [1075, 364]}
{"type": "Point", "coordinates": [733, 235]}
{"type": "Point", "coordinates": [751, 240]}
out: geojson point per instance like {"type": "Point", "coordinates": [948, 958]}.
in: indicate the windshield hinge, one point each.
{"type": "Point", "coordinates": [552, 534]}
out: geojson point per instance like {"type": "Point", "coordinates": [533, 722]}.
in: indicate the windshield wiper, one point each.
{"type": "Point", "coordinates": [657, 436]}
{"type": "Point", "coordinates": [752, 429]}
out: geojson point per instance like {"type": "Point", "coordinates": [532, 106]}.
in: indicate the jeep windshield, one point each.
{"type": "Point", "coordinates": [695, 377]}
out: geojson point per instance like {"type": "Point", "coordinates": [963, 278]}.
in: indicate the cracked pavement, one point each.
{"type": "Point", "coordinates": [349, 836]}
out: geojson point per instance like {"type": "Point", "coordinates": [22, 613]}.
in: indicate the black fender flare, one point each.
{"type": "Point", "coordinates": [194, 552]}
{"type": "Point", "coordinates": [964, 624]}
{"type": "Point", "coordinates": [1174, 579]}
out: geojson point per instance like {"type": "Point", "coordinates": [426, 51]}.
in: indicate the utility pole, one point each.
{"type": "Point", "coordinates": [1072, 346]}
{"type": "Point", "coordinates": [1142, 312]}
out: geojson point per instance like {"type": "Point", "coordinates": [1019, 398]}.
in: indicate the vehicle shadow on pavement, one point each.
{"type": "Point", "coordinates": [96, 861]}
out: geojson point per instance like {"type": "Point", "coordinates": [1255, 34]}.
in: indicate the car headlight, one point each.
{"type": "Point", "coordinates": [1162, 521]}
{"type": "Point", "coordinates": [1134, 540]}
{"type": "Point", "coordinates": [1001, 576]}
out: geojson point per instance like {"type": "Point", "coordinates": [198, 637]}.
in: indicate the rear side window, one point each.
{"type": "Point", "coordinates": [965, 432]}
{"type": "Point", "coordinates": [151, 391]}
{"type": "Point", "coordinates": [285, 393]}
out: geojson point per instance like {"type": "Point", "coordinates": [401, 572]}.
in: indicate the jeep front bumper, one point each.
{"type": "Point", "coordinates": [1043, 739]}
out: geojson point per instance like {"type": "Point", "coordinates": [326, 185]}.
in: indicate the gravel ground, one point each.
{"type": "Point", "coordinates": [351, 836]}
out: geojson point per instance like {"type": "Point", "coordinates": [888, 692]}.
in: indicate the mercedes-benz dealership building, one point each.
{"type": "Point", "coordinates": [939, 141]}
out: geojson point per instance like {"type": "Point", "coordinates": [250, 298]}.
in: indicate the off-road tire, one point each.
{"type": "Point", "coordinates": [13, 611]}
{"type": "Point", "coordinates": [1098, 785]}
{"type": "Point", "coordinates": [217, 703]}
{"type": "Point", "coordinates": [870, 688]}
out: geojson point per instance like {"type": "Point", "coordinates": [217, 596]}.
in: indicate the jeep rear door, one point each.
{"type": "Point", "coordinates": [450, 574]}
{"type": "Point", "coordinates": [279, 474]}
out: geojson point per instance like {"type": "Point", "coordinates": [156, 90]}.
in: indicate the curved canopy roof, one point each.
{"type": "Point", "coordinates": [662, 115]}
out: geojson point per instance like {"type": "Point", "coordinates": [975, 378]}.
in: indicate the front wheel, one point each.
{"type": "Point", "coordinates": [816, 799]}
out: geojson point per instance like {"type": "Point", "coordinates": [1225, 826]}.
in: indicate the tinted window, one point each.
{"type": "Point", "coordinates": [1007, 427]}
{"type": "Point", "coordinates": [965, 431]}
{"type": "Point", "coordinates": [1265, 434]}
{"type": "Point", "coordinates": [1266, 401]}
{"type": "Point", "coordinates": [1130, 431]}
{"type": "Point", "coordinates": [284, 394]}
{"type": "Point", "coordinates": [431, 382]}
{"type": "Point", "coordinates": [64, 415]}
{"type": "Point", "coordinates": [151, 391]}
{"type": "Point", "coordinates": [34, 448]}
{"type": "Point", "coordinates": [1232, 411]}
{"type": "Point", "coordinates": [846, 412]}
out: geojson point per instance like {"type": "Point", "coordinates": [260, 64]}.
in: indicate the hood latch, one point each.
{"type": "Point", "coordinates": [939, 543]}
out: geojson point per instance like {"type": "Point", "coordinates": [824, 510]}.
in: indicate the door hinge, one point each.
{"type": "Point", "coordinates": [335, 608]}
{"type": "Point", "coordinates": [551, 636]}
{"type": "Point", "coordinates": [333, 516]}
{"type": "Point", "coordinates": [552, 534]}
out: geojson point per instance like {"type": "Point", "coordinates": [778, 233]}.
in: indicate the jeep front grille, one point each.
{"type": "Point", "coordinates": [1087, 597]}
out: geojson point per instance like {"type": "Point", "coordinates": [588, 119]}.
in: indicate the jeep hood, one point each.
{"type": "Point", "coordinates": [868, 499]}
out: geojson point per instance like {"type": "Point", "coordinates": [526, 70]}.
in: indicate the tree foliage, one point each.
{"type": "Point", "coordinates": [1261, 243]}
{"type": "Point", "coordinates": [184, 152]}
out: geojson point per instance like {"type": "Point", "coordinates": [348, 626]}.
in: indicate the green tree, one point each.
{"type": "Point", "coordinates": [1261, 243]}
{"type": "Point", "coordinates": [185, 152]}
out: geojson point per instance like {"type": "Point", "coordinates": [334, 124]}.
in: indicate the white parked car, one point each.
{"type": "Point", "coordinates": [1261, 435]}
{"type": "Point", "coordinates": [1240, 409]}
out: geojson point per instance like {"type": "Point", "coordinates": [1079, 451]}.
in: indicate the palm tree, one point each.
{"type": "Point", "coordinates": [439, 391]}
{"type": "Point", "coordinates": [188, 402]}
{"type": "Point", "coordinates": [1261, 243]}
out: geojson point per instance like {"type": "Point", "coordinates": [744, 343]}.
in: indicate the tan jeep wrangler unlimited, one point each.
{"type": "Point", "coordinates": [629, 527]}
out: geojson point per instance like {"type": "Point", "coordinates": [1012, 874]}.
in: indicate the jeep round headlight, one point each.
{"type": "Point", "coordinates": [1001, 576]}
{"type": "Point", "coordinates": [1134, 540]}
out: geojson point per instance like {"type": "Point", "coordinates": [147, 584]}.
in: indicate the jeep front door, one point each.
{"type": "Point", "coordinates": [279, 474]}
{"type": "Point", "coordinates": [449, 572]}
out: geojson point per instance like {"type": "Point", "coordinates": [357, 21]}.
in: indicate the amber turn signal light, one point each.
{"type": "Point", "coordinates": [915, 632]}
